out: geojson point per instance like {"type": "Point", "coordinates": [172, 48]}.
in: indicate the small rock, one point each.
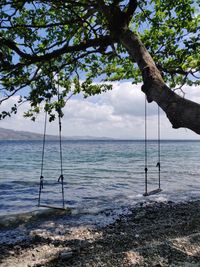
{"type": "Point", "coordinates": [17, 247]}
{"type": "Point", "coordinates": [140, 215]}
{"type": "Point", "coordinates": [66, 254]}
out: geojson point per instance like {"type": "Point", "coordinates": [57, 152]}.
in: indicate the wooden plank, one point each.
{"type": "Point", "coordinates": [52, 207]}
{"type": "Point", "coordinates": [153, 192]}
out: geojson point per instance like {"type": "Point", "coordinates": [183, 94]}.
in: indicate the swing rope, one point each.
{"type": "Point", "coordinates": [42, 164]}
{"type": "Point", "coordinates": [61, 177]}
{"type": "Point", "coordinates": [158, 163]}
{"type": "Point", "coordinates": [145, 143]}
{"type": "Point", "coordinates": [146, 193]}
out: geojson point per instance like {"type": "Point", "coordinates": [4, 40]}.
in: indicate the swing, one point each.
{"type": "Point", "coordinates": [158, 165]}
{"type": "Point", "coordinates": [61, 177]}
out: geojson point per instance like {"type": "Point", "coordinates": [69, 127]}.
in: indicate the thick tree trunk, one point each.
{"type": "Point", "coordinates": [180, 111]}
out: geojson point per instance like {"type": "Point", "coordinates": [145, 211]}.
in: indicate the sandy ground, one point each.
{"type": "Point", "coordinates": [153, 234]}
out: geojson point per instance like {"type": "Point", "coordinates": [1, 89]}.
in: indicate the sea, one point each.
{"type": "Point", "coordinates": [99, 175]}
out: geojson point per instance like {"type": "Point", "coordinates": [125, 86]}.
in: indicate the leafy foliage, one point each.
{"type": "Point", "coordinates": [172, 37]}
{"type": "Point", "coordinates": [46, 45]}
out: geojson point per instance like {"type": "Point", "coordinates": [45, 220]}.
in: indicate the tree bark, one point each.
{"type": "Point", "coordinates": [181, 112]}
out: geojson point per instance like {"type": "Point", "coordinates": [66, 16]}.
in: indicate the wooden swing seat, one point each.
{"type": "Point", "coordinates": [153, 192]}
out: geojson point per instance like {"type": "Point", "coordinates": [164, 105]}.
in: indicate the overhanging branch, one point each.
{"type": "Point", "coordinates": [102, 41]}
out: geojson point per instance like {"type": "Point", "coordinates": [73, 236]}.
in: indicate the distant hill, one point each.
{"type": "Point", "coordinates": [6, 134]}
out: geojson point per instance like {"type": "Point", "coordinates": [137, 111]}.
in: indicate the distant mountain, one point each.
{"type": "Point", "coordinates": [6, 134]}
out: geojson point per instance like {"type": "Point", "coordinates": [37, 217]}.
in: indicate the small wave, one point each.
{"type": "Point", "coordinates": [25, 183]}
{"type": "Point", "coordinates": [15, 220]}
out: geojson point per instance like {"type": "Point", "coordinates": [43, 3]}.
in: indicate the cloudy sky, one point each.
{"type": "Point", "coordinates": [118, 113]}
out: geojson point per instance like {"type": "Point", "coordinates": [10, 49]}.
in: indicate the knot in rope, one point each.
{"type": "Point", "coordinates": [41, 181]}
{"type": "Point", "coordinates": [61, 178]}
{"type": "Point", "coordinates": [158, 165]}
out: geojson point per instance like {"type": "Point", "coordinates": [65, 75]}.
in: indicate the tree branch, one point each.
{"type": "Point", "coordinates": [130, 9]}
{"type": "Point", "coordinates": [21, 87]}
{"type": "Point", "coordinates": [181, 112]}
{"type": "Point", "coordinates": [103, 41]}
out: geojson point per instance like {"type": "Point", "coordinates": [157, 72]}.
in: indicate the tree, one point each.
{"type": "Point", "coordinates": [49, 43]}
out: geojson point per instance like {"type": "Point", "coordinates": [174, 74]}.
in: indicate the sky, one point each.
{"type": "Point", "coordinates": [117, 114]}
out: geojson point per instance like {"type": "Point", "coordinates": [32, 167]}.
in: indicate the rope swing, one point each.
{"type": "Point", "coordinates": [61, 177]}
{"type": "Point", "coordinates": [158, 165]}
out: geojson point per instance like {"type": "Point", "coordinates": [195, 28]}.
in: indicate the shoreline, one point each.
{"type": "Point", "coordinates": [150, 234]}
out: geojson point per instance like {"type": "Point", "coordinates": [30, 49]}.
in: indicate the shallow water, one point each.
{"type": "Point", "coordinates": [99, 175]}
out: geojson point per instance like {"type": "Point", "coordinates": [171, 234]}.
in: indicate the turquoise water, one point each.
{"type": "Point", "coordinates": [99, 175]}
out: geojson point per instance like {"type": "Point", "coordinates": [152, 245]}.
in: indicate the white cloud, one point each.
{"type": "Point", "coordinates": [118, 113]}
{"type": "Point", "coordinates": [127, 99]}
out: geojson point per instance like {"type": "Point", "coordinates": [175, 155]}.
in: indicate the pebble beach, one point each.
{"type": "Point", "coordinates": [154, 234]}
